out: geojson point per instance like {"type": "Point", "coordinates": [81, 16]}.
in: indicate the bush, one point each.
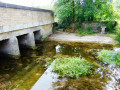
{"type": "Point", "coordinates": [110, 57]}
{"type": "Point", "coordinates": [111, 26]}
{"type": "Point", "coordinates": [83, 31]}
{"type": "Point", "coordinates": [73, 67]}
{"type": "Point", "coordinates": [117, 28]}
{"type": "Point", "coordinates": [118, 38]}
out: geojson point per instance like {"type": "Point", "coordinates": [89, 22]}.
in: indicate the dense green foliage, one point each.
{"type": "Point", "coordinates": [111, 26]}
{"type": "Point", "coordinates": [110, 57]}
{"type": "Point", "coordinates": [73, 67]}
{"type": "Point", "coordinates": [71, 11]}
{"type": "Point", "coordinates": [117, 28]}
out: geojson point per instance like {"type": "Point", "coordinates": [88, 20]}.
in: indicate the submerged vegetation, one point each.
{"type": "Point", "coordinates": [73, 67]}
{"type": "Point", "coordinates": [34, 47]}
{"type": "Point", "coordinates": [110, 57]}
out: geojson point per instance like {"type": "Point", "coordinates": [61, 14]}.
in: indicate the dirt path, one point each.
{"type": "Point", "coordinates": [72, 37]}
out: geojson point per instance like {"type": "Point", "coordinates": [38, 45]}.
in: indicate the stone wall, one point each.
{"type": "Point", "coordinates": [14, 17]}
{"type": "Point", "coordinates": [10, 16]}
{"type": "Point", "coordinates": [96, 27]}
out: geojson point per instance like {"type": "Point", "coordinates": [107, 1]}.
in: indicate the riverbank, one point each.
{"type": "Point", "coordinates": [72, 37]}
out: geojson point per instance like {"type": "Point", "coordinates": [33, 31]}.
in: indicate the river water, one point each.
{"type": "Point", "coordinates": [23, 73]}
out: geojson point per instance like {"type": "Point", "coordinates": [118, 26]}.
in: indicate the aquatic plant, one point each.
{"type": "Point", "coordinates": [41, 36]}
{"type": "Point", "coordinates": [34, 47]}
{"type": "Point", "coordinates": [73, 67]}
{"type": "Point", "coordinates": [110, 57]}
{"type": "Point", "coordinates": [46, 39]}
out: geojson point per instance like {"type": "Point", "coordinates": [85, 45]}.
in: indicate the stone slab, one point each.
{"type": "Point", "coordinates": [46, 80]}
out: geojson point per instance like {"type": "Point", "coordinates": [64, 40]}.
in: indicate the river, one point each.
{"type": "Point", "coordinates": [23, 73]}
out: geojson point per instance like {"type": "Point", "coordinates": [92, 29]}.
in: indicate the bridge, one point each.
{"type": "Point", "coordinates": [22, 25]}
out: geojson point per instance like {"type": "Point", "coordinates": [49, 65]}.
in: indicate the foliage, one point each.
{"type": "Point", "coordinates": [118, 38]}
{"type": "Point", "coordinates": [83, 31]}
{"type": "Point", "coordinates": [73, 67]}
{"type": "Point", "coordinates": [110, 57]}
{"type": "Point", "coordinates": [117, 28]}
{"type": "Point", "coordinates": [111, 26]}
{"type": "Point", "coordinates": [64, 12]}
{"type": "Point", "coordinates": [71, 11]}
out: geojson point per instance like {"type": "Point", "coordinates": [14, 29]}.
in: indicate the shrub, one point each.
{"type": "Point", "coordinates": [111, 26]}
{"type": "Point", "coordinates": [110, 57]}
{"type": "Point", "coordinates": [89, 28]}
{"type": "Point", "coordinates": [117, 28]}
{"type": "Point", "coordinates": [73, 67]}
{"type": "Point", "coordinates": [83, 31]}
{"type": "Point", "coordinates": [118, 38]}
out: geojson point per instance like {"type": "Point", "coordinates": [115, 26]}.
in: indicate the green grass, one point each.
{"type": "Point", "coordinates": [73, 67]}
{"type": "Point", "coordinates": [110, 57]}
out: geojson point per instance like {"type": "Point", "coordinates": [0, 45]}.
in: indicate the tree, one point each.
{"type": "Point", "coordinates": [64, 11]}
{"type": "Point", "coordinates": [71, 11]}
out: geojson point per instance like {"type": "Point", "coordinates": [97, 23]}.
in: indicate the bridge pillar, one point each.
{"type": "Point", "coordinates": [27, 39]}
{"type": "Point", "coordinates": [37, 36]}
{"type": "Point", "coordinates": [10, 46]}
{"type": "Point", "coordinates": [30, 39]}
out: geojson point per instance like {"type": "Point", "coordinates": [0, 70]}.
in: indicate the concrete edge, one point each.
{"type": "Point", "coordinates": [46, 80]}
{"type": "Point", "coordinates": [9, 28]}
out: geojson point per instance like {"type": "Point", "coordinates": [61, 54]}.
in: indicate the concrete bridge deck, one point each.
{"type": "Point", "coordinates": [22, 25]}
